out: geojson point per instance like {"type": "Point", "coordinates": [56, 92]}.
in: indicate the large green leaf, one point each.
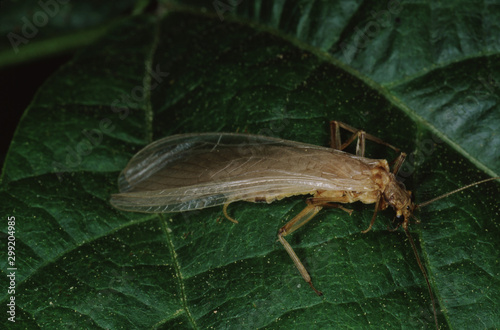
{"type": "Point", "coordinates": [33, 29]}
{"type": "Point", "coordinates": [82, 263]}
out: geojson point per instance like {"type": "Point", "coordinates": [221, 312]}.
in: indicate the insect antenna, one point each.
{"type": "Point", "coordinates": [414, 248]}
{"type": "Point", "coordinates": [455, 191]}
{"type": "Point", "coordinates": [412, 243]}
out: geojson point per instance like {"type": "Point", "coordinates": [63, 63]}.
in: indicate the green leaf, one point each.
{"type": "Point", "coordinates": [274, 70]}
{"type": "Point", "coordinates": [36, 28]}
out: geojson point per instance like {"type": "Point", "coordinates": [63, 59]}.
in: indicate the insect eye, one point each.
{"type": "Point", "coordinates": [408, 207]}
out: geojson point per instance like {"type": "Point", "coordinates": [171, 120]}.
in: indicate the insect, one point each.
{"type": "Point", "coordinates": [195, 171]}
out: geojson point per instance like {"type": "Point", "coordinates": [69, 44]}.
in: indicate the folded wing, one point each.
{"type": "Point", "coordinates": [195, 171]}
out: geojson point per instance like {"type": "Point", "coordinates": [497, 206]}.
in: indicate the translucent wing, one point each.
{"type": "Point", "coordinates": [195, 171]}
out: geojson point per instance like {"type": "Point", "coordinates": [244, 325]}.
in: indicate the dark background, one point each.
{"type": "Point", "coordinates": [18, 85]}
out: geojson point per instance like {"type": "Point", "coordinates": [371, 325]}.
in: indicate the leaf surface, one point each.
{"type": "Point", "coordinates": [33, 29]}
{"type": "Point", "coordinates": [279, 71]}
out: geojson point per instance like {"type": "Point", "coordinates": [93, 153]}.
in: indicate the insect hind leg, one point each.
{"type": "Point", "coordinates": [336, 141]}
{"type": "Point", "coordinates": [362, 136]}
{"type": "Point", "coordinates": [327, 203]}
{"type": "Point", "coordinates": [298, 221]}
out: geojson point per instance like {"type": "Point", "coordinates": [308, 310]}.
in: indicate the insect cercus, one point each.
{"type": "Point", "coordinates": [195, 171]}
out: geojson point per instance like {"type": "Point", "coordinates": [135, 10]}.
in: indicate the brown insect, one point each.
{"type": "Point", "coordinates": [195, 171]}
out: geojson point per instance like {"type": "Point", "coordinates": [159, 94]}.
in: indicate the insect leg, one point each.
{"type": "Point", "coordinates": [336, 142]}
{"type": "Point", "coordinates": [224, 210]}
{"type": "Point", "coordinates": [373, 217]}
{"type": "Point", "coordinates": [298, 221]}
{"type": "Point", "coordinates": [398, 162]}
{"type": "Point", "coordinates": [327, 202]}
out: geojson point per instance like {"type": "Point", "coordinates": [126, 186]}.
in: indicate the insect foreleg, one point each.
{"type": "Point", "coordinates": [373, 217]}
{"type": "Point", "coordinates": [298, 221]}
